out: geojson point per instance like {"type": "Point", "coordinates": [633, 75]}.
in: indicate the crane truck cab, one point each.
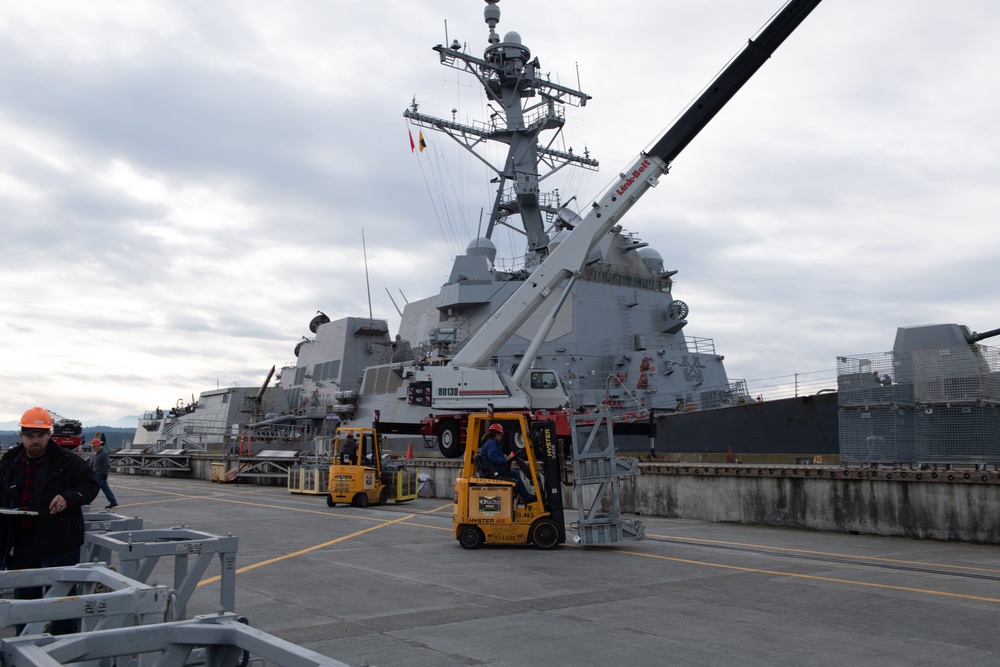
{"type": "Point", "coordinates": [487, 509]}
{"type": "Point", "coordinates": [361, 475]}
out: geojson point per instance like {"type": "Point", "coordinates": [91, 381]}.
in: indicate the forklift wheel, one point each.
{"type": "Point", "coordinates": [329, 501]}
{"type": "Point", "coordinates": [471, 537]}
{"type": "Point", "coordinates": [544, 534]}
{"type": "Point", "coordinates": [360, 500]}
{"type": "Point", "coordinates": [383, 496]}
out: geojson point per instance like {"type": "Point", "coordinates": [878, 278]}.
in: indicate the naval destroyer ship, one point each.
{"type": "Point", "coordinates": [618, 341]}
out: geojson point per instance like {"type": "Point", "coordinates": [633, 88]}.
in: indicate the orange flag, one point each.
{"type": "Point", "coordinates": [423, 144]}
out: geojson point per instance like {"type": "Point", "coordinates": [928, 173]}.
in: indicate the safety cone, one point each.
{"type": "Point", "coordinates": [729, 455]}
{"type": "Point", "coordinates": [409, 450]}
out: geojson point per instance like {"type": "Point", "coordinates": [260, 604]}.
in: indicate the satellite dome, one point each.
{"type": "Point", "coordinates": [652, 259]}
{"type": "Point", "coordinates": [482, 246]}
{"type": "Point", "coordinates": [512, 37]}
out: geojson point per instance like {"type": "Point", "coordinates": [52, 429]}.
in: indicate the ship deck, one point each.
{"type": "Point", "coordinates": [390, 586]}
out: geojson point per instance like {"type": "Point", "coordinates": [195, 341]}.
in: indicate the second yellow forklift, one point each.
{"type": "Point", "coordinates": [361, 475]}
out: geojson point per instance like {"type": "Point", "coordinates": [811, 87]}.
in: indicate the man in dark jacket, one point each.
{"type": "Point", "coordinates": [100, 463]}
{"type": "Point", "coordinates": [499, 464]}
{"type": "Point", "coordinates": [40, 476]}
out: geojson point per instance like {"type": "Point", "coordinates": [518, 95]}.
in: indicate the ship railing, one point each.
{"type": "Point", "coordinates": [198, 435]}
{"type": "Point", "coordinates": [640, 342]}
{"type": "Point", "coordinates": [605, 275]}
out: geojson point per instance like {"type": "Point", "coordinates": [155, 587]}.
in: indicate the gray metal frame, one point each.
{"type": "Point", "coordinates": [140, 550]}
{"type": "Point", "coordinates": [597, 474]}
{"type": "Point", "coordinates": [143, 461]}
{"type": "Point", "coordinates": [104, 522]}
{"type": "Point", "coordinates": [214, 641]}
{"type": "Point", "coordinates": [98, 596]}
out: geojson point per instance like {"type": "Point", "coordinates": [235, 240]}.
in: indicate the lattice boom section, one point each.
{"type": "Point", "coordinates": [969, 375]}
{"type": "Point", "coordinates": [968, 434]}
{"type": "Point", "coordinates": [958, 433]}
{"type": "Point", "coordinates": [866, 380]}
{"type": "Point", "coordinates": [965, 374]}
{"type": "Point", "coordinates": [874, 435]}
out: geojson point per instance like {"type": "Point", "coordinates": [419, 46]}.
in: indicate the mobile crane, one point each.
{"type": "Point", "coordinates": [463, 384]}
{"type": "Point", "coordinates": [486, 508]}
{"type": "Point", "coordinates": [569, 256]}
{"type": "Point", "coordinates": [567, 259]}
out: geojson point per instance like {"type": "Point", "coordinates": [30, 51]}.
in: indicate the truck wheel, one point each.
{"type": "Point", "coordinates": [471, 537]}
{"type": "Point", "coordinates": [544, 534]}
{"type": "Point", "coordinates": [360, 500]}
{"type": "Point", "coordinates": [450, 440]}
{"type": "Point", "coordinates": [383, 496]}
{"type": "Point", "coordinates": [329, 501]}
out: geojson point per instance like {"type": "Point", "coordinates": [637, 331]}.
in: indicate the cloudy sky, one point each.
{"type": "Point", "coordinates": [184, 184]}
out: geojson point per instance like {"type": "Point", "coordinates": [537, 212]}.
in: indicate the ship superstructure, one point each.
{"type": "Point", "coordinates": [617, 343]}
{"type": "Point", "coordinates": [587, 323]}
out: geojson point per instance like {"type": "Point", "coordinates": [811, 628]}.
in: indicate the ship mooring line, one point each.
{"type": "Point", "coordinates": [811, 577]}
{"type": "Point", "coordinates": [294, 554]}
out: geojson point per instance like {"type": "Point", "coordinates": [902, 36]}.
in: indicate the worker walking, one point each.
{"type": "Point", "coordinates": [51, 485]}
{"type": "Point", "coordinates": [100, 463]}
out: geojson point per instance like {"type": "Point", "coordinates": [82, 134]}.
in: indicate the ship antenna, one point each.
{"type": "Point", "coordinates": [368, 286]}
{"type": "Point", "coordinates": [393, 302]}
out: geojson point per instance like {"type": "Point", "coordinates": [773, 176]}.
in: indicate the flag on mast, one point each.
{"type": "Point", "coordinates": [413, 146]}
{"type": "Point", "coordinates": [423, 144]}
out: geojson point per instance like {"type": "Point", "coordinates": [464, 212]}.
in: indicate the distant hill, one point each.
{"type": "Point", "coordinates": [113, 436]}
{"type": "Point", "coordinates": [130, 422]}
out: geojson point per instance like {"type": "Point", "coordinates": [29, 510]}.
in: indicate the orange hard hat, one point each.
{"type": "Point", "coordinates": [36, 418]}
{"type": "Point", "coordinates": [96, 441]}
{"type": "Point", "coordinates": [497, 428]}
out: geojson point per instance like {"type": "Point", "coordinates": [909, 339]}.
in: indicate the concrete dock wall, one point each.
{"type": "Point", "coordinates": [946, 505]}
{"type": "Point", "coordinates": [944, 511]}
{"type": "Point", "coordinates": [965, 507]}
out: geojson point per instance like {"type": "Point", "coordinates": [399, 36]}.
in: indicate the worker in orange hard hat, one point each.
{"type": "Point", "coordinates": [498, 463]}
{"type": "Point", "coordinates": [50, 485]}
{"type": "Point", "coordinates": [100, 463]}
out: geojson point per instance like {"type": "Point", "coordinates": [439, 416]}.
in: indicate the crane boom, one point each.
{"type": "Point", "coordinates": [569, 257]}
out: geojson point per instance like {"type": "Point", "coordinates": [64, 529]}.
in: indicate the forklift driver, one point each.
{"type": "Point", "coordinates": [349, 452]}
{"type": "Point", "coordinates": [500, 465]}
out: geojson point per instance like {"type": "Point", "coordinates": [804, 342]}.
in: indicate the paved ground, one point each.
{"type": "Point", "coordinates": [389, 586]}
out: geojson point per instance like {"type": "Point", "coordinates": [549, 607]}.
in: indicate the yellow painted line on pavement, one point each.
{"type": "Point", "coordinates": [812, 577]}
{"type": "Point", "coordinates": [879, 559]}
{"type": "Point", "coordinates": [271, 561]}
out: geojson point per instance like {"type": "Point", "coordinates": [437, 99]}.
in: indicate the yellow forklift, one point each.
{"type": "Point", "coordinates": [361, 475]}
{"type": "Point", "coordinates": [488, 508]}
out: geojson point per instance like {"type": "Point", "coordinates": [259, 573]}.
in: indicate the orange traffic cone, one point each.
{"type": "Point", "coordinates": [409, 450]}
{"type": "Point", "coordinates": [729, 455]}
